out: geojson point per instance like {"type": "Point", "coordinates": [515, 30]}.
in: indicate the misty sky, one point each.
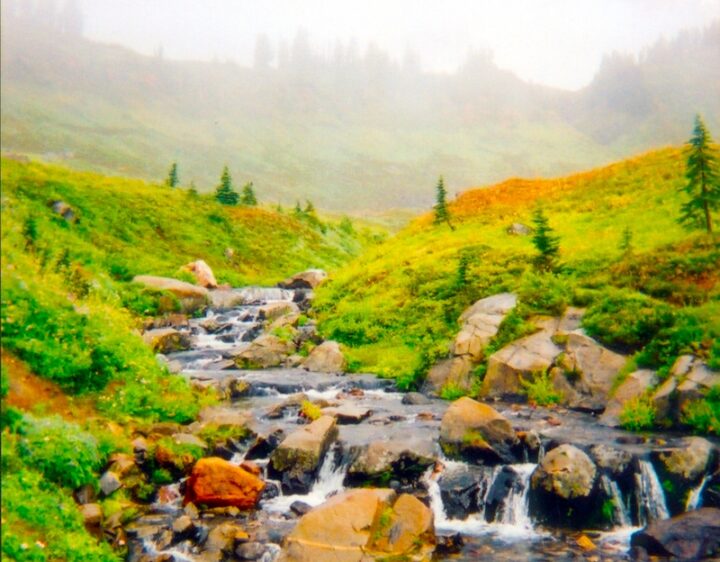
{"type": "Point", "coordinates": [553, 42]}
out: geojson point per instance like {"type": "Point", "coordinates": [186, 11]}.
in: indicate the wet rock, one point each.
{"type": "Point", "coordinates": [266, 351]}
{"type": "Point", "coordinates": [615, 462]}
{"type": "Point", "coordinates": [363, 525]}
{"type": "Point", "coordinates": [326, 358]}
{"type": "Point", "coordinates": [300, 508]}
{"type": "Point", "coordinates": [415, 399]}
{"type": "Point", "coordinates": [250, 551]}
{"type": "Point", "coordinates": [109, 483]}
{"type": "Point", "coordinates": [309, 279]}
{"type": "Point", "coordinates": [183, 527]}
{"type": "Point", "coordinates": [477, 433]}
{"type": "Point", "coordinates": [167, 340]}
{"type": "Point", "coordinates": [272, 490]}
{"type": "Point", "coordinates": [203, 274]}
{"type": "Point", "coordinates": [297, 459]}
{"type": "Point", "coordinates": [564, 489]}
{"type": "Point", "coordinates": [348, 414]}
{"type": "Point", "coordinates": [499, 489]}
{"type": "Point", "coordinates": [264, 444]}
{"type": "Point", "coordinates": [449, 544]}
{"type": "Point", "coordinates": [274, 310]}
{"type": "Point", "coordinates": [690, 536]}
{"type": "Point", "coordinates": [461, 491]}
{"type": "Point", "coordinates": [381, 461]}
{"type": "Point", "coordinates": [636, 384]}
{"type": "Point", "coordinates": [217, 483]}
{"type": "Point", "coordinates": [224, 538]}
{"type": "Point", "coordinates": [191, 296]}
{"type": "Point", "coordinates": [520, 360]}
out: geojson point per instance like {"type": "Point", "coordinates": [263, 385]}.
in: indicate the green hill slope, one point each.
{"type": "Point", "coordinates": [396, 307]}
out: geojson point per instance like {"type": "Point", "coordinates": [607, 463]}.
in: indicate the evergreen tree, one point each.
{"type": "Point", "coordinates": [173, 179]}
{"type": "Point", "coordinates": [225, 193]}
{"type": "Point", "coordinates": [248, 195]}
{"type": "Point", "coordinates": [626, 243]}
{"type": "Point", "coordinates": [309, 209]}
{"type": "Point", "coordinates": [442, 214]}
{"type": "Point", "coordinates": [703, 180]}
{"type": "Point", "coordinates": [192, 191]}
{"type": "Point", "coordinates": [297, 211]}
{"type": "Point", "coordinates": [547, 245]}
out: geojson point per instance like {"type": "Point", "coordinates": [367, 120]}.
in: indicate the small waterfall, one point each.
{"type": "Point", "coordinates": [329, 482]}
{"type": "Point", "coordinates": [621, 515]}
{"type": "Point", "coordinates": [694, 500]}
{"type": "Point", "coordinates": [485, 487]}
{"type": "Point", "coordinates": [650, 495]}
{"type": "Point", "coordinates": [514, 510]}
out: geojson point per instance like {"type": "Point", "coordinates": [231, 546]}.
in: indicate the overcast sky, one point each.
{"type": "Point", "coordinates": [553, 42]}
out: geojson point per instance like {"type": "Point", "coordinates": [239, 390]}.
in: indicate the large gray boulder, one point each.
{"type": "Point", "coordinates": [635, 385]}
{"type": "Point", "coordinates": [521, 360]}
{"type": "Point", "coordinates": [477, 433]}
{"type": "Point", "coordinates": [297, 459]}
{"type": "Point", "coordinates": [192, 297]}
{"type": "Point", "coordinates": [266, 351]}
{"type": "Point", "coordinates": [382, 461]}
{"type": "Point", "coordinates": [326, 358]}
{"type": "Point", "coordinates": [690, 536]}
{"type": "Point", "coordinates": [480, 323]}
{"type": "Point", "coordinates": [455, 372]}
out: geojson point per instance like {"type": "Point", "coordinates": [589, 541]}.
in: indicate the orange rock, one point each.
{"type": "Point", "coordinates": [217, 483]}
{"type": "Point", "coordinates": [585, 543]}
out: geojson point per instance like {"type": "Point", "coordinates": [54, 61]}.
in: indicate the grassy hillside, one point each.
{"type": "Point", "coordinates": [362, 133]}
{"type": "Point", "coordinates": [396, 307]}
{"type": "Point", "coordinates": [77, 378]}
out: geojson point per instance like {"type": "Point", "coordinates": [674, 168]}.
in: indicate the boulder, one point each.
{"type": "Point", "coordinates": [663, 400]}
{"type": "Point", "coordinates": [594, 369]}
{"type": "Point", "coordinates": [222, 540]}
{"type": "Point", "coordinates": [520, 360]}
{"type": "Point", "coordinates": [382, 461]}
{"type": "Point", "coordinates": [564, 489]}
{"type": "Point", "coordinates": [449, 372]}
{"type": "Point", "coordinates": [92, 514]}
{"type": "Point", "coordinates": [478, 433]}
{"type": "Point", "coordinates": [309, 279]}
{"type": "Point", "coordinates": [461, 491]}
{"type": "Point", "coordinates": [634, 386]}
{"type": "Point", "coordinates": [109, 483]}
{"type": "Point", "coordinates": [266, 351]}
{"type": "Point", "coordinates": [415, 399]}
{"type": "Point", "coordinates": [274, 310]}
{"type": "Point", "coordinates": [167, 340]}
{"type": "Point", "coordinates": [217, 483]}
{"type": "Point", "coordinates": [361, 526]}
{"type": "Point", "coordinates": [191, 296]}
{"type": "Point", "coordinates": [480, 323]}
{"type": "Point", "coordinates": [615, 462]}
{"type": "Point", "coordinates": [64, 210]}
{"type": "Point", "coordinates": [698, 381]}
{"type": "Point", "coordinates": [203, 274]}
{"type": "Point", "coordinates": [225, 299]}
{"type": "Point", "coordinates": [326, 358]}
{"type": "Point", "coordinates": [297, 459]}
{"type": "Point", "coordinates": [570, 321]}
{"type": "Point", "coordinates": [689, 462]}
{"type": "Point", "coordinates": [346, 414]}
{"type": "Point", "coordinates": [519, 229]}
{"type": "Point", "coordinates": [220, 415]}
{"type": "Point", "coordinates": [694, 535]}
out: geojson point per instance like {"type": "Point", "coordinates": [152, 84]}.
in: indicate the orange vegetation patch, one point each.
{"type": "Point", "coordinates": [31, 393]}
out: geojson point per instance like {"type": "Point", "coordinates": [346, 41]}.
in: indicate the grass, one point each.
{"type": "Point", "coordinates": [396, 307]}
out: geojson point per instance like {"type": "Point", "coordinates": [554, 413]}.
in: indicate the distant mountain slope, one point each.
{"type": "Point", "coordinates": [396, 307]}
{"type": "Point", "coordinates": [349, 133]}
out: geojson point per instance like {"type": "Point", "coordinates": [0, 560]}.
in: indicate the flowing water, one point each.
{"type": "Point", "coordinates": [499, 526]}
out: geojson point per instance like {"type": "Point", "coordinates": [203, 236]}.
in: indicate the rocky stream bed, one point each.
{"type": "Point", "coordinates": [458, 481]}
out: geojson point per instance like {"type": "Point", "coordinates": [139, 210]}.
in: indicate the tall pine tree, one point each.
{"type": "Point", "coordinates": [703, 180]}
{"type": "Point", "coordinates": [248, 195]}
{"type": "Point", "coordinates": [547, 245]}
{"type": "Point", "coordinates": [173, 179]}
{"type": "Point", "coordinates": [225, 193]}
{"type": "Point", "coordinates": [442, 214]}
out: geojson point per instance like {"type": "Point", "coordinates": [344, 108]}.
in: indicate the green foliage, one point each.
{"type": "Point", "coordinates": [545, 242]}
{"type": "Point", "coordinates": [638, 414]}
{"type": "Point", "coordinates": [225, 193]}
{"type": "Point", "coordinates": [30, 232]}
{"type": "Point", "coordinates": [247, 196]}
{"type": "Point", "coordinates": [161, 476]}
{"type": "Point", "coordinates": [540, 390]}
{"type": "Point", "coordinates": [173, 180]}
{"type": "Point", "coordinates": [703, 180]}
{"type": "Point", "coordinates": [626, 242]}
{"type": "Point", "coordinates": [215, 435]}
{"type": "Point", "coordinates": [544, 293]}
{"type": "Point", "coordinates": [627, 320]}
{"type": "Point", "coordinates": [703, 416]}
{"type": "Point", "coordinates": [452, 391]}
{"type": "Point", "coordinates": [4, 382]}
{"type": "Point", "coordinates": [60, 450]}
{"type": "Point", "coordinates": [442, 214]}
{"type": "Point", "coordinates": [146, 301]}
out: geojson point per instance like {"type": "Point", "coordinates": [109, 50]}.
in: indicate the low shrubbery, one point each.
{"type": "Point", "coordinates": [638, 414]}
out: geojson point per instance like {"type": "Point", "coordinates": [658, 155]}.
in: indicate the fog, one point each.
{"type": "Point", "coordinates": [552, 42]}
